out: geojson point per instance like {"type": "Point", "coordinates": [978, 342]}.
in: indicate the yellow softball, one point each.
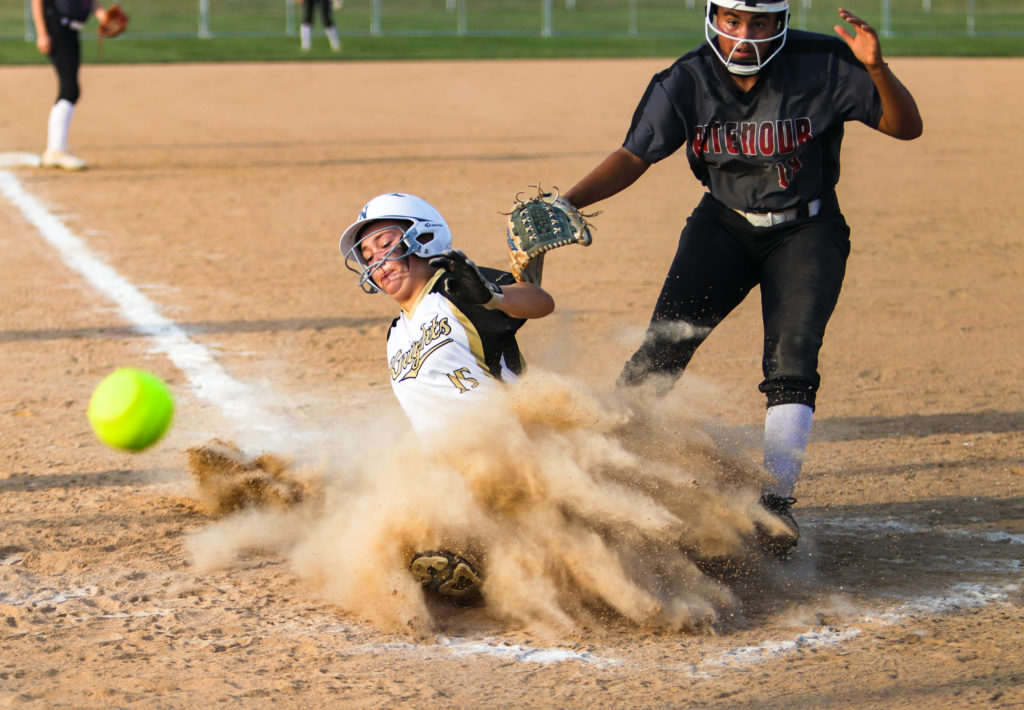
{"type": "Point", "coordinates": [131, 409]}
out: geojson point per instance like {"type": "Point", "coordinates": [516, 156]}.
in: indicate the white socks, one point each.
{"type": "Point", "coordinates": [59, 125]}
{"type": "Point", "coordinates": [332, 37]}
{"type": "Point", "coordinates": [787, 428]}
{"type": "Point", "coordinates": [306, 37]}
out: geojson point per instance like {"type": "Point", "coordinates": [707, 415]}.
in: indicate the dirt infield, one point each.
{"type": "Point", "coordinates": [218, 192]}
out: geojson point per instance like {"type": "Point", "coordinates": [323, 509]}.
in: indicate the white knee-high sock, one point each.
{"type": "Point", "coordinates": [332, 37]}
{"type": "Point", "coordinates": [787, 428]}
{"type": "Point", "coordinates": [59, 125]}
{"type": "Point", "coordinates": [305, 35]}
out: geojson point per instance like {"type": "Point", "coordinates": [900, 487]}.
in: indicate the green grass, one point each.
{"type": "Point", "coordinates": [255, 30]}
{"type": "Point", "coordinates": [248, 49]}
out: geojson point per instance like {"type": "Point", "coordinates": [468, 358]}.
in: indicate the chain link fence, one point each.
{"type": "Point", "coordinates": [546, 18]}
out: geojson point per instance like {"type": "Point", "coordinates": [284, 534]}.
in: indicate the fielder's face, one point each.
{"type": "Point", "coordinates": [737, 26]}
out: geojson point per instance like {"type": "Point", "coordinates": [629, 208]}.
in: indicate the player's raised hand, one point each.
{"type": "Point", "coordinates": [865, 44]}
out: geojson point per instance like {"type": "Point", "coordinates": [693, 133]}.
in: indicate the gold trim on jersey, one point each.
{"type": "Point", "coordinates": [424, 291]}
{"type": "Point", "coordinates": [476, 344]}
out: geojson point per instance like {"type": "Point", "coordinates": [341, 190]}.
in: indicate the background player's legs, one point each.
{"type": "Point", "coordinates": [332, 37]}
{"type": "Point", "coordinates": [65, 53]}
{"type": "Point", "coordinates": [800, 286]}
{"type": "Point", "coordinates": [306, 27]}
{"type": "Point", "coordinates": [709, 276]}
{"type": "Point", "coordinates": [59, 125]}
{"type": "Point", "coordinates": [329, 29]}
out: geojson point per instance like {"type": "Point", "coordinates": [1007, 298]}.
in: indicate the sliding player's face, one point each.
{"type": "Point", "coordinates": [399, 276]}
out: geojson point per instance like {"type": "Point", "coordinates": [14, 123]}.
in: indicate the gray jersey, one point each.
{"type": "Point", "coordinates": [75, 9]}
{"type": "Point", "coordinates": [772, 147]}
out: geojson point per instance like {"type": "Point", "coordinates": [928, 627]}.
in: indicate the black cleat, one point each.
{"type": "Point", "coordinates": [779, 542]}
{"type": "Point", "coordinates": [449, 575]}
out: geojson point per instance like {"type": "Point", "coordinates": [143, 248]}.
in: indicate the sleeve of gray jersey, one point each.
{"type": "Point", "coordinates": [657, 130]}
{"type": "Point", "coordinates": [853, 93]}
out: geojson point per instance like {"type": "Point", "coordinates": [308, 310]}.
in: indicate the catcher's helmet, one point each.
{"type": "Point", "coordinates": [761, 46]}
{"type": "Point", "coordinates": [426, 236]}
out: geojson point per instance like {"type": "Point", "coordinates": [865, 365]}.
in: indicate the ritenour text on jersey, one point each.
{"type": "Point", "coordinates": [752, 137]}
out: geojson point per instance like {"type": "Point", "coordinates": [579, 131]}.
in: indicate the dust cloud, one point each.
{"type": "Point", "coordinates": [582, 509]}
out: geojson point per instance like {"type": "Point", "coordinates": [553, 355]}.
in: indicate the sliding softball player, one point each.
{"type": "Point", "coordinates": [454, 339]}
{"type": "Point", "coordinates": [455, 336]}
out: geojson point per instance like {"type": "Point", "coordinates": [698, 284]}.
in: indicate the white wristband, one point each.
{"type": "Point", "coordinates": [496, 299]}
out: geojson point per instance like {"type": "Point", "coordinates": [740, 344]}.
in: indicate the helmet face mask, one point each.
{"type": "Point", "coordinates": [426, 234]}
{"type": "Point", "coordinates": [761, 46]}
{"type": "Point", "coordinates": [355, 261]}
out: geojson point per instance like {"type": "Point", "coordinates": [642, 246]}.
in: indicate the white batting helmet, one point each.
{"type": "Point", "coordinates": [761, 46]}
{"type": "Point", "coordinates": [426, 236]}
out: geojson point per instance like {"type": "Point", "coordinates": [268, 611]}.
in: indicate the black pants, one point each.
{"type": "Point", "coordinates": [308, 6]}
{"type": "Point", "coordinates": [799, 266]}
{"type": "Point", "coordinates": [66, 57]}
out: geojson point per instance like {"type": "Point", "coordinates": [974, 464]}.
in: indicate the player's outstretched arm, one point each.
{"type": "Point", "coordinates": [526, 300]}
{"type": "Point", "coordinates": [900, 115]}
{"type": "Point", "coordinates": [464, 282]}
{"type": "Point", "coordinates": [615, 173]}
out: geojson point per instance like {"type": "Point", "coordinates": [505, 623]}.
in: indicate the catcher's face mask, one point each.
{"type": "Point", "coordinates": [736, 21]}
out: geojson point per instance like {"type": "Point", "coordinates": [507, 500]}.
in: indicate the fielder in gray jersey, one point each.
{"type": "Point", "coordinates": [760, 110]}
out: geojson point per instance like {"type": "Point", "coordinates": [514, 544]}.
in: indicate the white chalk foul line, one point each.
{"type": "Point", "coordinates": [20, 160]}
{"type": "Point", "coordinates": [205, 375]}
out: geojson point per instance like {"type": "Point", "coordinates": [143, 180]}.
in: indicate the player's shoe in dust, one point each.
{"type": "Point", "coordinates": [449, 575]}
{"type": "Point", "coordinates": [62, 159]}
{"type": "Point", "coordinates": [779, 542]}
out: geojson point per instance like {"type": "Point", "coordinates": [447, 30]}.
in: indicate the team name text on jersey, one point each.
{"type": "Point", "coordinates": [752, 137]}
{"type": "Point", "coordinates": [406, 364]}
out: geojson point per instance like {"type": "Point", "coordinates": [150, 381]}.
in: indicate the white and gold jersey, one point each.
{"type": "Point", "coordinates": [443, 355]}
